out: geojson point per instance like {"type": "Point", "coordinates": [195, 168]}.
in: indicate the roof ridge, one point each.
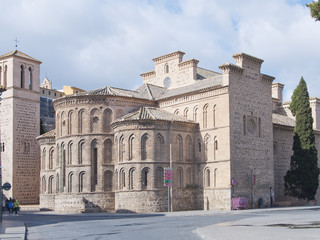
{"type": "Point", "coordinates": [149, 91]}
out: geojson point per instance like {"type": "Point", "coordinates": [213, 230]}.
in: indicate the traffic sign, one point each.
{"type": "Point", "coordinates": [168, 176]}
{"type": "Point", "coordinates": [6, 186]}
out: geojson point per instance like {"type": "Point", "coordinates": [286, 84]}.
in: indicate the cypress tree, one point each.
{"type": "Point", "coordinates": [301, 180]}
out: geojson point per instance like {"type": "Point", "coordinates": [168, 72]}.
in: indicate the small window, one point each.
{"type": "Point", "coordinates": [49, 93]}
{"type": "Point", "coordinates": [55, 94]}
{"type": "Point", "coordinates": [42, 91]}
{"type": "Point", "coordinates": [60, 95]}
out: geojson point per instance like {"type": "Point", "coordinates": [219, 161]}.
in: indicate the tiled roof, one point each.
{"type": "Point", "coordinates": [51, 133]}
{"type": "Point", "coordinates": [283, 120]}
{"type": "Point", "coordinates": [205, 73]}
{"type": "Point", "coordinates": [152, 113]}
{"type": "Point", "coordinates": [201, 84]}
{"type": "Point", "coordinates": [19, 54]}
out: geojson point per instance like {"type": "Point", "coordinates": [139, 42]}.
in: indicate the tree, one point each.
{"type": "Point", "coordinates": [301, 180]}
{"type": "Point", "coordinates": [314, 9]}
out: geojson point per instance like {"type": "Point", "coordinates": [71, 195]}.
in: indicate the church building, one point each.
{"type": "Point", "coordinates": [226, 135]}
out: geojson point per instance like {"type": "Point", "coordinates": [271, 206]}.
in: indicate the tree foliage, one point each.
{"type": "Point", "coordinates": [315, 9]}
{"type": "Point", "coordinates": [301, 180]}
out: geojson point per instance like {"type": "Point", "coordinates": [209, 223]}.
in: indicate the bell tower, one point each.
{"type": "Point", "coordinates": [20, 125]}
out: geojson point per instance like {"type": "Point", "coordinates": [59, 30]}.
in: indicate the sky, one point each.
{"type": "Point", "coordinates": [91, 44]}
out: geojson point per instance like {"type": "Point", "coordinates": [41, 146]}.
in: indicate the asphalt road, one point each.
{"type": "Point", "coordinates": [115, 226]}
{"type": "Point", "coordinates": [177, 225]}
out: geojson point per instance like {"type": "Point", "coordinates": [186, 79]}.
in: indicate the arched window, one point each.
{"type": "Point", "coordinates": [207, 147]}
{"type": "Point", "coordinates": [57, 156]}
{"type": "Point", "coordinates": [117, 180]}
{"type": "Point", "coordinates": [122, 176]}
{"type": "Point", "coordinates": [207, 177]}
{"type": "Point", "coordinates": [205, 116]}
{"type": "Point", "coordinates": [108, 151]}
{"type": "Point", "coordinates": [94, 165]}
{"type": "Point", "coordinates": [63, 154]}
{"type": "Point", "coordinates": [119, 113]}
{"type": "Point", "coordinates": [81, 181]}
{"type": "Point", "coordinates": [259, 125]}
{"type": "Point", "coordinates": [215, 177]}
{"type": "Point", "coordinates": [70, 153]}
{"type": "Point", "coordinates": [43, 163]}
{"type": "Point", "coordinates": [144, 144]}
{"type": "Point", "coordinates": [5, 75]}
{"type": "Point", "coordinates": [214, 116]}
{"type": "Point", "coordinates": [244, 125]}
{"type": "Point", "coordinates": [215, 148]}
{"type": "Point", "coordinates": [70, 115]}
{"type": "Point", "coordinates": [144, 177]}
{"type": "Point", "coordinates": [30, 78]}
{"type": "Point", "coordinates": [180, 178]}
{"type": "Point", "coordinates": [107, 181]}
{"type": "Point", "coordinates": [70, 178]}
{"type": "Point", "coordinates": [80, 120]}
{"type": "Point", "coordinates": [189, 149]}
{"type": "Point", "coordinates": [80, 152]}
{"type": "Point", "coordinates": [22, 77]}
{"type": "Point", "coordinates": [159, 151]}
{"type": "Point", "coordinates": [166, 68]}
{"type": "Point", "coordinates": [107, 119]}
{"type": "Point", "coordinates": [94, 120]}
{"type": "Point", "coordinates": [189, 176]}
{"type": "Point", "coordinates": [199, 145]}
{"type": "Point", "coordinates": [121, 148]}
{"type": "Point", "coordinates": [159, 179]}
{"type": "Point", "coordinates": [58, 124]}
{"type": "Point", "coordinates": [130, 145]}
{"type": "Point", "coordinates": [179, 148]}
{"type": "Point", "coordinates": [50, 185]}
{"type": "Point", "coordinates": [62, 124]}
{"type": "Point", "coordinates": [131, 178]}
{"type": "Point", "coordinates": [44, 185]}
{"type": "Point", "coordinates": [185, 112]}
{"type": "Point", "coordinates": [51, 154]}
{"type": "Point", "coordinates": [57, 183]}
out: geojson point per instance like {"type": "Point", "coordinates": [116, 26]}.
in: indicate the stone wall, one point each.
{"type": "Point", "coordinates": [141, 201]}
{"type": "Point", "coordinates": [84, 202]}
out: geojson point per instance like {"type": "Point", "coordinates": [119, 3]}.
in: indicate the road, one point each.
{"type": "Point", "coordinates": [178, 225]}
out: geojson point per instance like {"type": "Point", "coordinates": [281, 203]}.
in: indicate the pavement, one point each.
{"type": "Point", "coordinates": [275, 223]}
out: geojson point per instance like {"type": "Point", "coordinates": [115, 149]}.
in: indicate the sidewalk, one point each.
{"type": "Point", "coordinates": [293, 226]}
{"type": "Point", "coordinates": [11, 229]}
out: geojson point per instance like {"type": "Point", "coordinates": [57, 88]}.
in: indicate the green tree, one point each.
{"type": "Point", "coordinates": [314, 9]}
{"type": "Point", "coordinates": [301, 180]}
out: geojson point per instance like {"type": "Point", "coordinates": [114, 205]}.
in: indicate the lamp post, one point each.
{"type": "Point", "coordinates": [2, 89]}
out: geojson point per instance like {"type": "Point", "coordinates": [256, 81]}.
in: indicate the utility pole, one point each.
{"type": "Point", "coordinates": [2, 89]}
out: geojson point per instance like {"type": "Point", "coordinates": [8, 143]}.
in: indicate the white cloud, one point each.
{"type": "Point", "coordinates": [94, 43]}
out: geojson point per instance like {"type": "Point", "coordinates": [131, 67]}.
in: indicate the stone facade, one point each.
{"type": "Point", "coordinates": [110, 146]}
{"type": "Point", "coordinates": [19, 124]}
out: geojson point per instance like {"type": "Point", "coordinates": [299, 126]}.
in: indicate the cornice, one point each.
{"type": "Point", "coordinates": [149, 74]}
{"type": "Point", "coordinates": [231, 68]}
{"type": "Point", "coordinates": [239, 57]}
{"type": "Point", "coordinates": [188, 64]}
{"type": "Point", "coordinates": [168, 57]}
{"type": "Point", "coordinates": [267, 78]}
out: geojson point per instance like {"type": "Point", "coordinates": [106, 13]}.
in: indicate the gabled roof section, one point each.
{"type": "Point", "coordinates": [19, 54]}
{"type": "Point", "coordinates": [283, 120]}
{"type": "Point", "coordinates": [205, 73]}
{"type": "Point", "coordinates": [213, 82]}
{"type": "Point", "coordinates": [49, 134]}
{"type": "Point", "coordinates": [152, 113]}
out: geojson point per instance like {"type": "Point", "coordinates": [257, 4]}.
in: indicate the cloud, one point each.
{"type": "Point", "coordinates": [91, 43]}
